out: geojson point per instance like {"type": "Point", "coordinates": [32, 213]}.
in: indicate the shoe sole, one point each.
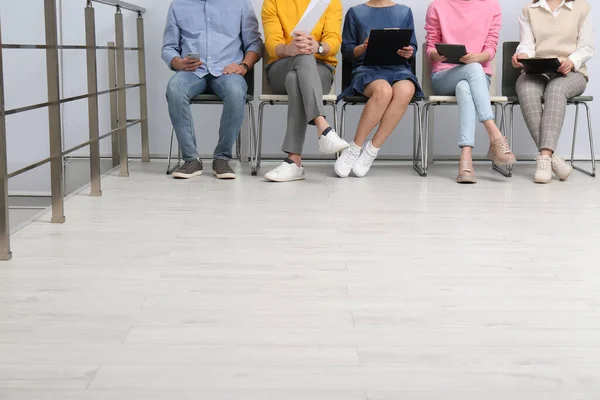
{"type": "Point", "coordinates": [227, 175]}
{"type": "Point", "coordinates": [300, 178]}
{"type": "Point", "coordinates": [564, 178]}
{"type": "Point", "coordinates": [501, 163]}
{"type": "Point", "coordinates": [542, 182]}
{"type": "Point", "coordinates": [466, 181]}
{"type": "Point", "coordinates": [335, 151]}
{"type": "Point", "coordinates": [179, 175]}
{"type": "Point", "coordinates": [341, 175]}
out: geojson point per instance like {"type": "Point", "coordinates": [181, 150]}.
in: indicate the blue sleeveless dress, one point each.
{"type": "Point", "coordinates": [359, 22]}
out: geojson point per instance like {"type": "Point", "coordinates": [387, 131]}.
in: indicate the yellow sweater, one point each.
{"type": "Point", "coordinates": [280, 17]}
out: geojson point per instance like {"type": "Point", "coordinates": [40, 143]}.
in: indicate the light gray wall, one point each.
{"type": "Point", "coordinates": [26, 83]}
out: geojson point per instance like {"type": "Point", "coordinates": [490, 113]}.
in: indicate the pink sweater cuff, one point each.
{"type": "Point", "coordinates": [491, 52]}
{"type": "Point", "coordinates": [429, 51]}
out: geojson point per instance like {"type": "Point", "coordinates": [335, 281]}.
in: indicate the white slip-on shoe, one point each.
{"type": "Point", "coordinates": [343, 165]}
{"type": "Point", "coordinates": [561, 168]}
{"type": "Point", "coordinates": [543, 173]}
{"type": "Point", "coordinates": [286, 172]}
{"type": "Point", "coordinates": [331, 143]}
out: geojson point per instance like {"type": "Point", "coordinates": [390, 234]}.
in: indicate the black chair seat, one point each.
{"type": "Point", "coordinates": [363, 99]}
{"type": "Point", "coordinates": [212, 98]}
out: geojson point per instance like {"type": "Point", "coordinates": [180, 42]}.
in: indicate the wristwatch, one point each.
{"type": "Point", "coordinates": [321, 49]}
{"type": "Point", "coordinates": [245, 66]}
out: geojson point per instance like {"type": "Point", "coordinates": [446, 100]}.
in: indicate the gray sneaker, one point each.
{"type": "Point", "coordinates": [188, 170]}
{"type": "Point", "coordinates": [222, 169]}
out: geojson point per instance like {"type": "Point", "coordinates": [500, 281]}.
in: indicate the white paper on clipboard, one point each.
{"type": "Point", "coordinates": [312, 15]}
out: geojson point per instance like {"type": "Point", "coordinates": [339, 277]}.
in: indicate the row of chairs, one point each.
{"type": "Point", "coordinates": [423, 112]}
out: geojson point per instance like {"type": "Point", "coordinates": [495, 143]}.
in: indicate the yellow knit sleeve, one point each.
{"type": "Point", "coordinates": [332, 29]}
{"type": "Point", "coordinates": [272, 27]}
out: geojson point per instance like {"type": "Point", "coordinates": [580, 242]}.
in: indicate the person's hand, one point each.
{"type": "Point", "coordinates": [361, 48]}
{"type": "Point", "coordinates": [234, 69]}
{"type": "Point", "coordinates": [301, 44]}
{"type": "Point", "coordinates": [566, 67]}
{"type": "Point", "coordinates": [186, 64]}
{"type": "Point", "coordinates": [437, 57]}
{"type": "Point", "coordinates": [516, 58]}
{"type": "Point", "coordinates": [471, 58]}
{"type": "Point", "coordinates": [407, 52]}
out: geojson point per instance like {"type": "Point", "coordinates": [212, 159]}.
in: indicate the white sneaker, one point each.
{"type": "Point", "coordinates": [331, 143]}
{"type": "Point", "coordinates": [344, 164]}
{"type": "Point", "coordinates": [561, 168]}
{"type": "Point", "coordinates": [363, 164]}
{"type": "Point", "coordinates": [543, 174]}
{"type": "Point", "coordinates": [286, 172]}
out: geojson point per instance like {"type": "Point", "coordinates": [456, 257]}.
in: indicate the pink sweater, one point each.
{"type": "Point", "coordinates": [474, 23]}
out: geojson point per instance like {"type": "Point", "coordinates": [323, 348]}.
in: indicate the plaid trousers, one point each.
{"type": "Point", "coordinates": [543, 104]}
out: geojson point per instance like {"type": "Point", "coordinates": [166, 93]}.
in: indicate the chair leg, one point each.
{"type": "Point", "coordinates": [335, 122]}
{"type": "Point", "coordinates": [238, 147]}
{"type": "Point", "coordinates": [251, 134]}
{"type": "Point", "coordinates": [343, 122]}
{"type": "Point", "coordinates": [574, 135]}
{"type": "Point", "coordinates": [418, 142]}
{"type": "Point", "coordinates": [169, 157]}
{"type": "Point", "coordinates": [429, 138]}
{"type": "Point", "coordinates": [505, 171]}
{"type": "Point", "coordinates": [428, 133]}
{"type": "Point", "coordinates": [591, 137]}
{"type": "Point", "coordinates": [258, 151]}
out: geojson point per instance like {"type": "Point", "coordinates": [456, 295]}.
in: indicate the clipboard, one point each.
{"type": "Point", "coordinates": [452, 52]}
{"type": "Point", "coordinates": [540, 65]}
{"type": "Point", "coordinates": [312, 15]}
{"type": "Point", "coordinates": [383, 47]}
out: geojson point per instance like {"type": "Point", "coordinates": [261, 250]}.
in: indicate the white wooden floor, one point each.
{"type": "Point", "coordinates": [386, 288]}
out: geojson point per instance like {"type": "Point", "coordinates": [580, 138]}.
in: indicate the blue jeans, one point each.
{"type": "Point", "coordinates": [184, 86]}
{"type": "Point", "coordinates": [471, 86]}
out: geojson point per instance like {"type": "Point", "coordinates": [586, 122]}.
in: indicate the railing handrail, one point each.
{"type": "Point", "coordinates": [117, 91]}
{"type": "Point", "coordinates": [123, 4]}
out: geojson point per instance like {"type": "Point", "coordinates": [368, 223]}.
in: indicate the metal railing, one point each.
{"type": "Point", "coordinates": [118, 108]}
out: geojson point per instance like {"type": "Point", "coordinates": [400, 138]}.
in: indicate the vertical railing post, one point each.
{"type": "Point", "coordinates": [114, 117]}
{"type": "Point", "coordinates": [5, 253]}
{"type": "Point", "coordinates": [143, 88]}
{"type": "Point", "coordinates": [54, 123]}
{"type": "Point", "coordinates": [92, 79]}
{"type": "Point", "coordinates": [121, 93]}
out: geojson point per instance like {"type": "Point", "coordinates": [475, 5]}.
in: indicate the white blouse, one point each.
{"type": "Point", "coordinates": [585, 43]}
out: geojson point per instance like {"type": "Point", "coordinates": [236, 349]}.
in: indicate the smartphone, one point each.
{"type": "Point", "coordinates": [193, 56]}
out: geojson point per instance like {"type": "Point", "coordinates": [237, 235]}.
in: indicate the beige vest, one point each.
{"type": "Point", "coordinates": [557, 37]}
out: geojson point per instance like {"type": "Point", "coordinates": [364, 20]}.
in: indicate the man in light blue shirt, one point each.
{"type": "Point", "coordinates": [211, 44]}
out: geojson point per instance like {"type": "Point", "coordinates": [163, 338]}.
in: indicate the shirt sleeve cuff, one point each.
{"type": "Point", "coordinates": [576, 62]}
{"type": "Point", "coordinates": [524, 50]}
{"type": "Point", "coordinates": [168, 57]}
{"type": "Point", "coordinates": [256, 48]}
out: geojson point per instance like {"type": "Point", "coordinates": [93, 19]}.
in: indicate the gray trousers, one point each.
{"type": "Point", "coordinates": [545, 121]}
{"type": "Point", "coordinates": [304, 80]}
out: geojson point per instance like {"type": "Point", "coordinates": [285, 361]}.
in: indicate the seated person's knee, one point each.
{"type": "Point", "coordinates": [475, 68]}
{"type": "Point", "coordinates": [382, 93]}
{"type": "Point", "coordinates": [404, 92]}
{"type": "Point", "coordinates": [463, 88]}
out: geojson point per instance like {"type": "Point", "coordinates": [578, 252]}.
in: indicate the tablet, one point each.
{"type": "Point", "coordinates": [383, 47]}
{"type": "Point", "coordinates": [452, 52]}
{"type": "Point", "coordinates": [540, 65]}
